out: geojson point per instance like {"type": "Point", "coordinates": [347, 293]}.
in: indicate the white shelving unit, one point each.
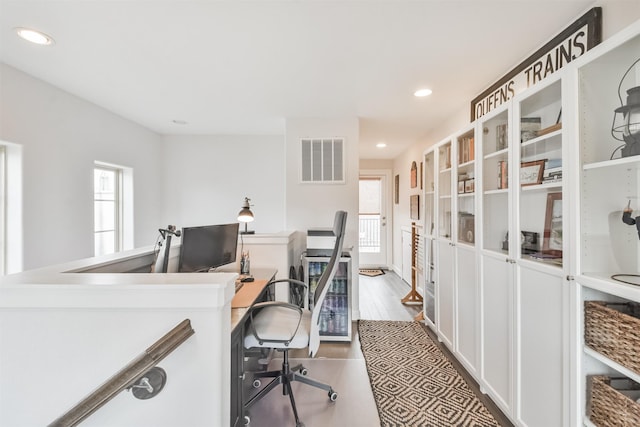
{"type": "Point", "coordinates": [429, 296]}
{"type": "Point", "coordinates": [466, 293]}
{"type": "Point", "coordinates": [509, 301]}
{"type": "Point", "coordinates": [606, 183]}
{"type": "Point", "coordinates": [444, 254]}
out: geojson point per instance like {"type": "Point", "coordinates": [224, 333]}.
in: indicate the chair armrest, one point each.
{"type": "Point", "coordinates": [294, 282]}
{"type": "Point", "coordinates": [298, 290]}
{"type": "Point", "coordinates": [265, 304]}
{"type": "Point", "coordinates": [271, 304]}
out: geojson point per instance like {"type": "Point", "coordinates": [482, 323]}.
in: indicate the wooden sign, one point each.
{"type": "Point", "coordinates": [570, 44]}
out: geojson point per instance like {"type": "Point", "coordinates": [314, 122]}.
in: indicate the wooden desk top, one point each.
{"type": "Point", "coordinates": [248, 294]}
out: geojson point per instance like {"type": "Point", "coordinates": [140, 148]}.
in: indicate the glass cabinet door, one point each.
{"type": "Point", "coordinates": [429, 246]}
{"type": "Point", "coordinates": [444, 190]}
{"type": "Point", "coordinates": [540, 175]}
{"type": "Point", "coordinates": [610, 172]}
{"type": "Point", "coordinates": [495, 182]}
{"type": "Point", "coordinates": [465, 187]}
{"type": "Point", "coordinates": [429, 193]}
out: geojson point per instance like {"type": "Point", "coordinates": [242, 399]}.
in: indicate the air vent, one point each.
{"type": "Point", "coordinates": [322, 160]}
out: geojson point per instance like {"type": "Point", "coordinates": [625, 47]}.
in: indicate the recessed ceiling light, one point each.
{"type": "Point", "coordinates": [34, 36]}
{"type": "Point", "coordinates": [180, 122]}
{"type": "Point", "coordinates": [422, 92]}
{"type": "Point", "coordinates": [381, 145]}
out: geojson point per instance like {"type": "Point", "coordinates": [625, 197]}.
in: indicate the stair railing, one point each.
{"type": "Point", "coordinates": [141, 376]}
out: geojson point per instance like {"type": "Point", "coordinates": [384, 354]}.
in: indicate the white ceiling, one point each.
{"type": "Point", "coordinates": [243, 67]}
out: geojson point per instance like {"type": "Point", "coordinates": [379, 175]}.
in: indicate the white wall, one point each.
{"type": "Point", "coordinates": [314, 205]}
{"type": "Point", "coordinates": [206, 178]}
{"type": "Point", "coordinates": [61, 136]}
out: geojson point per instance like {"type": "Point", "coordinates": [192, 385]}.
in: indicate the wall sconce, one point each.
{"type": "Point", "coordinates": [628, 129]}
{"type": "Point", "coordinates": [245, 215]}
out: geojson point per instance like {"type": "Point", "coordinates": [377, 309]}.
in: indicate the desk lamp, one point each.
{"type": "Point", "coordinates": [245, 215]}
{"type": "Point", "coordinates": [629, 129]}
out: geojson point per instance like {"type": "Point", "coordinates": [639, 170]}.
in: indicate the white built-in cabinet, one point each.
{"type": "Point", "coordinates": [605, 184]}
{"type": "Point", "coordinates": [500, 283]}
{"type": "Point", "coordinates": [455, 260]}
{"type": "Point", "coordinates": [497, 259]}
{"type": "Point", "coordinates": [467, 328]}
{"type": "Point", "coordinates": [541, 293]}
{"type": "Point", "coordinates": [516, 254]}
{"type": "Point", "coordinates": [429, 295]}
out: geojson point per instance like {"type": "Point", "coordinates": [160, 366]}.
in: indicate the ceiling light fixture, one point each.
{"type": "Point", "coordinates": [381, 145]}
{"type": "Point", "coordinates": [34, 36]}
{"type": "Point", "coordinates": [422, 92]}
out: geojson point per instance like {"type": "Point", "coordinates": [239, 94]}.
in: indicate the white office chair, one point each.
{"type": "Point", "coordinates": [282, 326]}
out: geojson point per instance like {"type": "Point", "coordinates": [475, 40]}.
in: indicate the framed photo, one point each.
{"type": "Point", "coordinates": [460, 187]}
{"type": "Point", "coordinates": [529, 127]}
{"type": "Point", "coordinates": [502, 141]}
{"type": "Point", "coordinates": [531, 172]}
{"type": "Point", "coordinates": [552, 237]}
{"type": "Point", "coordinates": [396, 189]}
{"type": "Point", "coordinates": [414, 175]}
{"type": "Point", "coordinates": [414, 206]}
{"type": "Point", "coordinates": [469, 185]}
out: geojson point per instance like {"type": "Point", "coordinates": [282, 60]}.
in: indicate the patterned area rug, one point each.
{"type": "Point", "coordinates": [371, 272]}
{"type": "Point", "coordinates": [413, 382]}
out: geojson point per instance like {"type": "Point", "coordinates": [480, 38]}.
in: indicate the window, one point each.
{"type": "Point", "coordinates": [107, 202]}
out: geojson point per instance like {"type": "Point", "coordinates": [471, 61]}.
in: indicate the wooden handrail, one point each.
{"type": "Point", "coordinates": [127, 376]}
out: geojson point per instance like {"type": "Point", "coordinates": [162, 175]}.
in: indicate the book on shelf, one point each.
{"type": "Point", "coordinates": [544, 255]}
{"type": "Point", "coordinates": [503, 174]}
{"type": "Point", "coordinates": [552, 170]}
{"type": "Point", "coordinates": [551, 175]}
{"type": "Point", "coordinates": [447, 157]}
{"type": "Point", "coordinates": [466, 150]}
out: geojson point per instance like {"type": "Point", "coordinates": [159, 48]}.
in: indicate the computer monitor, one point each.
{"type": "Point", "coordinates": [207, 247]}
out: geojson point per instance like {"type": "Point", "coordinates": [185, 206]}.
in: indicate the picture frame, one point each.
{"type": "Point", "coordinates": [396, 189]}
{"type": "Point", "coordinates": [552, 235]}
{"type": "Point", "coordinates": [531, 172]}
{"type": "Point", "coordinates": [469, 185]}
{"type": "Point", "coordinates": [529, 127]}
{"type": "Point", "coordinates": [414, 175]}
{"type": "Point", "coordinates": [460, 187]}
{"type": "Point", "coordinates": [414, 206]}
{"type": "Point", "coordinates": [502, 138]}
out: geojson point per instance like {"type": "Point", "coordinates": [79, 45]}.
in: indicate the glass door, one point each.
{"type": "Point", "coordinates": [372, 228]}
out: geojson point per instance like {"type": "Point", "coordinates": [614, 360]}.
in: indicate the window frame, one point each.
{"type": "Point", "coordinates": [3, 210]}
{"type": "Point", "coordinates": [118, 207]}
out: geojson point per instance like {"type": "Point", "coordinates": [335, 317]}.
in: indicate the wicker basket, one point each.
{"type": "Point", "coordinates": [613, 329]}
{"type": "Point", "coordinates": [612, 402]}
